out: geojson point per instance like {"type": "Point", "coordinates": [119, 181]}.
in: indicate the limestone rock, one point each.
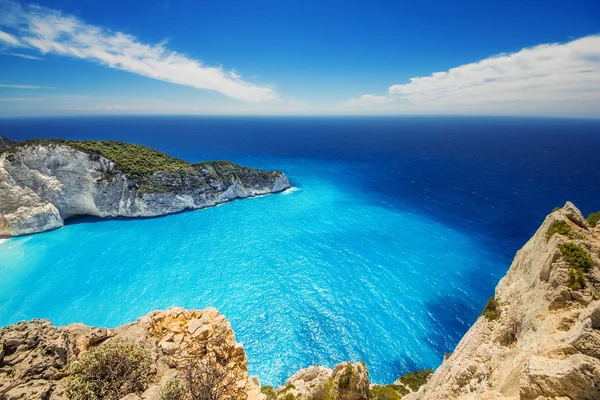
{"type": "Point", "coordinates": [43, 183]}
{"type": "Point", "coordinates": [553, 349]}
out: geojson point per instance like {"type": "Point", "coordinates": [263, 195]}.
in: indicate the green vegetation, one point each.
{"type": "Point", "coordinates": [289, 396]}
{"type": "Point", "coordinates": [173, 390]}
{"type": "Point", "coordinates": [576, 279]}
{"type": "Point", "coordinates": [109, 372]}
{"type": "Point", "coordinates": [560, 227]}
{"type": "Point", "coordinates": [268, 392]}
{"type": "Point", "coordinates": [388, 392]}
{"type": "Point", "coordinates": [579, 261]}
{"type": "Point", "coordinates": [414, 380]}
{"type": "Point", "coordinates": [492, 309]}
{"type": "Point", "coordinates": [593, 219]}
{"type": "Point", "coordinates": [577, 256]}
{"type": "Point", "coordinates": [555, 209]}
{"type": "Point", "coordinates": [324, 392]}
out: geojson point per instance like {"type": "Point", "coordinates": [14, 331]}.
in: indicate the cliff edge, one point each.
{"type": "Point", "coordinates": [539, 338]}
{"type": "Point", "coordinates": [44, 182]}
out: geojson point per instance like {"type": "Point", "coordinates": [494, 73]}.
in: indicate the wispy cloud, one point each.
{"type": "Point", "coordinates": [27, 56]}
{"type": "Point", "coordinates": [24, 86]}
{"type": "Point", "coordinates": [5, 38]}
{"type": "Point", "coordinates": [369, 99]}
{"type": "Point", "coordinates": [49, 31]}
{"type": "Point", "coordinates": [549, 72]}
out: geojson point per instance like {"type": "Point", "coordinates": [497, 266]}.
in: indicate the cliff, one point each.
{"type": "Point", "coordinates": [538, 338]}
{"type": "Point", "coordinates": [43, 182]}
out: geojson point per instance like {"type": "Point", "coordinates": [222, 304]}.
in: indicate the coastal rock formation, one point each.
{"type": "Point", "coordinates": [44, 182]}
{"type": "Point", "coordinates": [35, 356]}
{"type": "Point", "coordinates": [541, 337]}
{"type": "Point", "coordinates": [5, 143]}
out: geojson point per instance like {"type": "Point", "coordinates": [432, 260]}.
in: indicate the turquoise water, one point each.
{"type": "Point", "coordinates": [395, 235]}
{"type": "Point", "coordinates": [316, 275]}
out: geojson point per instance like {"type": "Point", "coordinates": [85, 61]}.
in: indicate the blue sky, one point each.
{"type": "Point", "coordinates": [300, 57]}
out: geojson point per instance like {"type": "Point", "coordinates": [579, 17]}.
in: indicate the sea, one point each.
{"type": "Point", "coordinates": [395, 233]}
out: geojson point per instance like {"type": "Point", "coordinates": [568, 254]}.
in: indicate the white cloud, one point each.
{"type": "Point", "coordinates": [49, 31]}
{"type": "Point", "coordinates": [24, 86]}
{"type": "Point", "coordinates": [549, 73]}
{"type": "Point", "coordinates": [370, 99]}
{"type": "Point", "coordinates": [27, 56]}
{"type": "Point", "coordinates": [9, 39]}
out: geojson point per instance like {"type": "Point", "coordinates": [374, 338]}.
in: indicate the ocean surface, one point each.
{"type": "Point", "coordinates": [395, 234]}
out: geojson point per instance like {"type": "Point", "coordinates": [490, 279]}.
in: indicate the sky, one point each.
{"type": "Point", "coordinates": [285, 57]}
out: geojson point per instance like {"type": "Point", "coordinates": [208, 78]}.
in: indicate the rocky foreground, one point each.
{"type": "Point", "coordinates": [44, 182]}
{"type": "Point", "coordinates": [539, 338]}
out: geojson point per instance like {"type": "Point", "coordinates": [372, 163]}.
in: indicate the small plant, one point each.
{"type": "Point", "coordinates": [492, 309]}
{"type": "Point", "coordinates": [560, 227]}
{"type": "Point", "coordinates": [576, 256]}
{"type": "Point", "coordinates": [509, 336]}
{"type": "Point", "coordinates": [414, 380]}
{"type": "Point", "coordinates": [555, 209]}
{"type": "Point", "coordinates": [388, 392]}
{"type": "Point", "coordinates": [576, 279]}
{"type": "Point", "coordinates": [268, 392]}
{"type": "Point", "coordinates": [109, 372]}
{"type": "Point", "coordinates": [593, 219]}
{"type": "Point", "coordinates": [173, 390]}
{"type": "Point", "coordinates": [323, 392]}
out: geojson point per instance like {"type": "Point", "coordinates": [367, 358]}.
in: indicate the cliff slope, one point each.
{"type": "Point", "coordinates": [43, 182]}
{"type": "Point", "coordinates": [5, 143]}
{"type": "Point", "coordinates": [541, 338]}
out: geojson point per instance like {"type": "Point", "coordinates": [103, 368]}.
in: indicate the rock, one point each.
{"type": "Point", "coordinates": [44, 182]}
{"type": "Point", "coordinates": [556, 347]}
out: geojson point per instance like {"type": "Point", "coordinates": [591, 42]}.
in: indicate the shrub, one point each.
{"type": "Point", "coordinates": [109, 372]}
{"type": "Point", "coordinates": [414, 380]}
{"type": "Point", "coordinates": [492, 309]}
{"type": "Point", "coordinates": [289, 396]}
{"type": "Point", "coordinates": [323, 392]}
{"type": "Point", "coordinates": [576, 256]}
{"type": "Point", "coordinates": [173, 390]}
{"type": "Point", "coordinates": [555, 209]}
{"type": "Point", "coordinates": [576, 279]}
{"type": "Point", "coordinates": [268, 392]}
{"type": "Point", "coordinates": [388, 392]}
{"type": "Point", "coordinates": [560, 227]}
{"type": "Point", "coordinates": [509, 336]}
{"type": "Point", "coordinates": [593, 219]}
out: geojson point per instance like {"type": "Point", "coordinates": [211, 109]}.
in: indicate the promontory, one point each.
{"type": "Point", "coordinates": [43, 182]}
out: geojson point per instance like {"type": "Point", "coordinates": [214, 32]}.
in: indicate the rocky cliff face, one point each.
{"type": "Point", "coordinates": [542, 340]}
{"type": "Point", "coordinates": [44, 182]}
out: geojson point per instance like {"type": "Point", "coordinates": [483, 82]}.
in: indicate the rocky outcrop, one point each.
{"type": "Point", "coordinates": [35, 356]}
{"type": "Point", "coordinates": [5, 143]}
{"type": "Point", "coordinates": [545, 342]}
{"type": "Point", "coordinates": [345, 381]}
{"type": "Point", "coordinates": [42, 183]}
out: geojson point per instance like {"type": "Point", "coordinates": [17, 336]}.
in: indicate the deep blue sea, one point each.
{"type": "Point", "coordinates": [397, 232]}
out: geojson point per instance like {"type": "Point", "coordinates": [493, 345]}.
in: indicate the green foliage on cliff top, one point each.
{"type": "Point", "coordinates": [133, 160]}
{"type": "Point", "coordinates": [560, 227]}
{"type": "Point", "coordinates": [492, 309]}
{"type": "Point", "coordinates": [593, 219]}
{"type": "Point", "coordinates": [109, 372]}
{"type": "Point", "coordinates": [414, 380]}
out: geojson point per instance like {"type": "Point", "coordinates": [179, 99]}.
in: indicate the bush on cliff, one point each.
{"type": "Point", "coordinates": [414, 380]}
{"type": "Point", "coordinates": [576, 279]}
{"type": "Point", "coordinates": [388, 392]}
{"type": "Point", "coordinates": [576, 256]}
{"type": "Point", "coordinates": [109, 372]}
{"type": "Point", "coordinates": [560, 227]}
{"type": "Point", "coordinates": [492, 309]}
{"type": "Point", "coordinates": [593, 219]}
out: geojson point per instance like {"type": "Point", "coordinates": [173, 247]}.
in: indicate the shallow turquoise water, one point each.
{"type": "Point", "coordinates": [317, 275]}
